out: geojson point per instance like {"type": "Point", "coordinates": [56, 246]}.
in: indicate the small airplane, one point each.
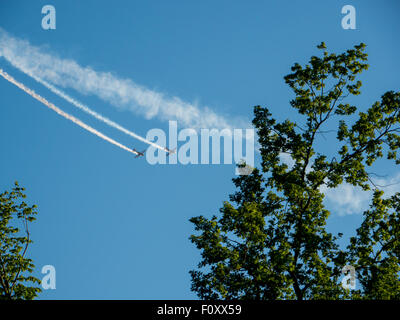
{"type": "Point", "coordinates": [170, 151]}
{"type": "Point", "coordinates": [138, 153]}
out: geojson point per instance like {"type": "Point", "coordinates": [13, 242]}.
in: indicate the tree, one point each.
{"type": "Point", "coordinates": [270, 241]}
{"type": "Point", "coordinates": [375, 252]}
{"type": "Point", "coordinates": [15, 279]}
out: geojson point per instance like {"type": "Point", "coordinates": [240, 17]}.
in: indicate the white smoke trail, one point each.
{"type": "Point", "coordinates": [121, 93]}
{"type": "Point", "coordinates": [93, 113]}
{"type": "Point", "coordinates": [62, 113]}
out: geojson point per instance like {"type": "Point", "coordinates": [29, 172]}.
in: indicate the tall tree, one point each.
{"type": "Point", "coordinates": [15, 268]}
{"type": "Point", "coordinates": [270, 241]}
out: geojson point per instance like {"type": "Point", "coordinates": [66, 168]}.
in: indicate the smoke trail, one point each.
{"type": "Point", "coordinates": [93, 113]}
{"type": "Point", "coordinates": [62, 113]}
{"type": "Point", "coordinates": [119, 92]}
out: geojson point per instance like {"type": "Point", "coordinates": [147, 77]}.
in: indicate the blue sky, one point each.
{"type": "Point", "coordinates": [116, 227]}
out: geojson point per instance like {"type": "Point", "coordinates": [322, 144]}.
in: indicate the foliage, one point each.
{"type": "Point", "coordinates": [270, 241]}
{"type": "Point", "coordinates": [15, 279]}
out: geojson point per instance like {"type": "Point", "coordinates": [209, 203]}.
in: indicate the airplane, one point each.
{"type": "Point", "coordinates": [170, 151]}
{"type": "Point", "coordinates": [138, 153]}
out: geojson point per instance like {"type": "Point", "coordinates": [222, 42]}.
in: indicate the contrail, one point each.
{"type": "Point", "coordinates": [62, 113]}
{"type": "Point", "coordinates": [119, 92]}
{"type": "Point", "coordinates": [86, 109]}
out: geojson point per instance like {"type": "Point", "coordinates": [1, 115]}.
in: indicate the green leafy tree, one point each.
{"type": "Point", "coordinates": [15, 269]}
{"type": "Point", "coordinates": [270, 240]}
{"type": "Point", "coordinates": [375, 252]}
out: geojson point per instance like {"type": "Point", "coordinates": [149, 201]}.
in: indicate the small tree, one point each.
{"type": "Point", "coordinates": [15, 281]}
{"type": "Point", "coordinates": [271, 240]}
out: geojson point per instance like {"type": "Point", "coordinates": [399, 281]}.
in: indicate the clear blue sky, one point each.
{"type": "Point", "coordinates": [116, 227]}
